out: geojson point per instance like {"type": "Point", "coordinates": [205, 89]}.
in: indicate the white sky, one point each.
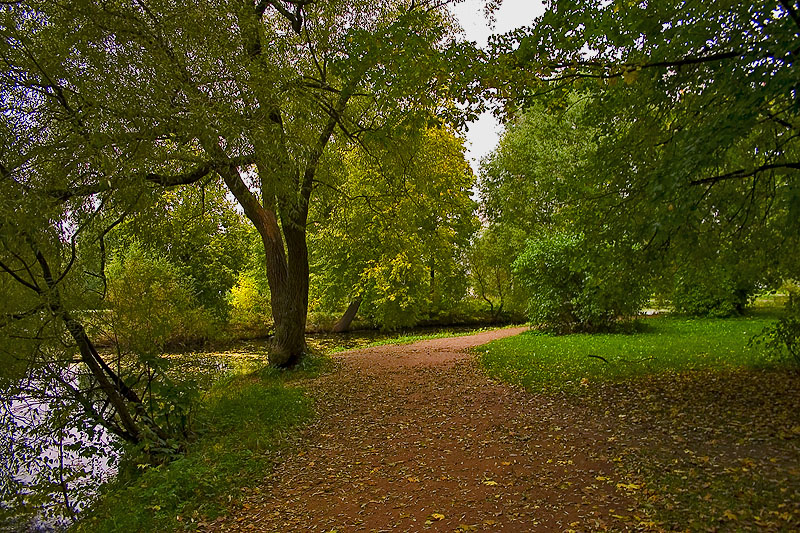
{"type": "Point", "coordinates": [484, 133]}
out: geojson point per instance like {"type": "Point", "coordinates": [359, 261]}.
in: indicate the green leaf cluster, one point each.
{"type": "Point", "coordinates": [394, 222]}
{"type": "Point", "coordinates": [572, 287]}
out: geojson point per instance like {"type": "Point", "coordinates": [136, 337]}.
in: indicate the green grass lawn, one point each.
{"type": "Point", "coordinates": [541, 361]}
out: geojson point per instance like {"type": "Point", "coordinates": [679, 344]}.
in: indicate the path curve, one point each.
{"type": "Point", "coordinates": [417, 438]}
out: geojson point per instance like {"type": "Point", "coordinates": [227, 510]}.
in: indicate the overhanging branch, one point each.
{"type": "Point", "coordinates": [165, 180]}
{"type": "Point", "coordinates": [744, 173]}
{"type": "Point", "coordinates": [604, 68]}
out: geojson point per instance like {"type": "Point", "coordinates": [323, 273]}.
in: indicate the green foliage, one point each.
{"type": "Point", "coordinates": [151, 304]}
{"type": "Point", "coordinates": [532, 186]}
{"type": "Point", "coordinates": [200, 233]}
{"type": "Point", "coordinates": [572, 287]}
{"type": "Point", "coordinates": [781, 341]}
{"type": "Point", "coordinates": [712, 297]}
{"type": "Point", "coordinates": [395, 228]}
{"type": "Point", "coordinates": [242, 420]}
{"type": "Point", "coordinates": [686, 132]}
{"type": "Point", "coordinates": [490, 258]}
{"type": "Point", "coordinates": [538, 361]}
{"type": "Point", "coordinates": [250, 314]}
{"type": "Point", "coordinates": [532, 178]}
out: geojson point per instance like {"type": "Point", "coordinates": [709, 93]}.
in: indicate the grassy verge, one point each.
{"type": "Point", "coordinates": [243, 421]}
{"type": "Point", "coordinates": [540, 361]}
{"type": "Point", "coordinates": [704, 425]}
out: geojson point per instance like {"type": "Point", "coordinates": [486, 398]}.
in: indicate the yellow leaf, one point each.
{"type": "Point", "coordinates": [730, 515]}
{"type": "Point", "coordinates": [490, 483]}
{"type": "Point", "coordinates": [506, 463]}
{"type": "Point", "coordinates": [628, 486]}
{"type": "Point", "coordinates": [436, 516]}
{"type": "Point", "coordinates": [601, 478]}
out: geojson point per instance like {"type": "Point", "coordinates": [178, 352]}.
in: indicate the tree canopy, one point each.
{"type": "Point", "coordinates": [397, 240]}
{"type": "Point", "coordinates": [677, 128]}
{"type": "Point", "coordinates": [142, 94]}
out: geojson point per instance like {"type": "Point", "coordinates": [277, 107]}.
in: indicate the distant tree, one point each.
{"type": "Point", "coordinates": [490, 260]}
{"type": "Point", "coordinates": [151, 304]}
{"type": "Point", "coordinates": [250, 314]}
{"type": "Point", "coordinates": [391, 229]}
{"type": "Point", "coordinates": [533, 178]}
{"type": "Point", "coordinates": [534, 190]}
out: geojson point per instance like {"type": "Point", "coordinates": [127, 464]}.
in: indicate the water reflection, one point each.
{"type": "Point", "coordinates": [53, 458]}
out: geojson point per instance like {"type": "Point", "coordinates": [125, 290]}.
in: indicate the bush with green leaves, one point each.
{"type": "Point", "coordinates": [250, 312]}
{"type": "Point", "coordinates": [152, 305]}
{"type": "Point", "coordinates": [574, 285]}
{"type": "Point", "coordinates": [715, 289]}
{"type": "Point", "coordinates": [781, 340]}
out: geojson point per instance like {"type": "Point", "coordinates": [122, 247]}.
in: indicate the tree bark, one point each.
{"type": "Point", "coordinates": [343, 323]}
{"type": "Point", "coordinates": [290, 313]}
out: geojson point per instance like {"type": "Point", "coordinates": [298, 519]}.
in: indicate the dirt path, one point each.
{"type": "Point", "coordinates": [416, 437]}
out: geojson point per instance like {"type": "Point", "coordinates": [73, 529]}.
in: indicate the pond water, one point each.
{"type": "Point", "coordinates": [47, 477]}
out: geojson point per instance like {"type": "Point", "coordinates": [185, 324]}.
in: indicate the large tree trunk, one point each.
{"type": "Point", "coordinates": [289, 308]}
{"type": "Point", "coordinates": [287, 269]}
{"type": "Point", "coordinates": [287, 275]}
{"type": "Point", "coordinates": [347, 318]}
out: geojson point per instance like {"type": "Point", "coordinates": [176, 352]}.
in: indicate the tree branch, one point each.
{"type": "Point", "coordinates": [165, 180]}
{"type": "Point", "coordinates": [743, 173]}
{"type": "Point", "coordinates": [627, 67]}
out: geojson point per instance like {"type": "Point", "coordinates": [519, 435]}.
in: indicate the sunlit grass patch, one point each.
{"type": "Point", "coordinates": [541, 361]}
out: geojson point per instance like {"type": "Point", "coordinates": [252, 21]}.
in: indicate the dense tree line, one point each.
{"type": "Point", "coordinates": [665, 136]}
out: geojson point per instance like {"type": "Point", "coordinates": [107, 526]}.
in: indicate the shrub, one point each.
{"type": "Point", "coordinates": [576, 286]}
{"type": "Point", "coordinates": [712, 295]}
{"type": "Point", "coordinates": [151, 304]}
{"type": "Point", "coordinates": [781, 340]}
{"type": "Point", "coordinates": [251, 312]}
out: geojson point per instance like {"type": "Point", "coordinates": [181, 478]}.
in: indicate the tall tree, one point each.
{"type": "Point", "coordinates": [693, 114]}
{"type": "Point", "coordinates": [391, 226]}
{"type": "Point", "coordinates": [253, 91]}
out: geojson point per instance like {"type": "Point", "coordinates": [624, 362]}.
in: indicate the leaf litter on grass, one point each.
{"type": "Point", "coordinates": [716, 451]}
